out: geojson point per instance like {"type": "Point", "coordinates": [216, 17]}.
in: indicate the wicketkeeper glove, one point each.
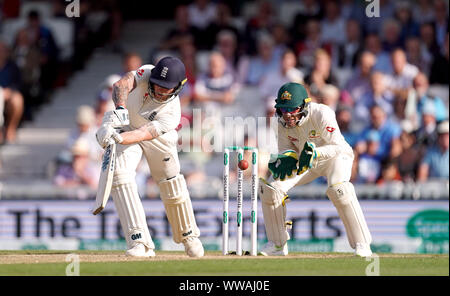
{"type": "Point", "coordinates": [106, 135]}
{"type": "Point", "coordinates": [282, 165]}
{"type": "Point", "coordinates": [116, 118]}
{"type": "Point", "coordinates": [307, 156]}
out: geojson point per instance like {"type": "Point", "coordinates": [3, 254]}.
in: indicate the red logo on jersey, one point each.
{"type": "Point", "coordinates": [146, 95]}
{"type": "Point", "coordinates": [292, 139]}
{"type": "Point", "coordinates": [140, 72]}
{"type": "Point", "coordinates": [330, 129]}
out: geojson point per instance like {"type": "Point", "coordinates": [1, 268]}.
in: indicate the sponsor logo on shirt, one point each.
{"type": "Point", "coordinates": [292, 139]}
{"type": "Point", "coordinates": [313, 134]}
{"type": "Point", "coordinates": [330, 129]}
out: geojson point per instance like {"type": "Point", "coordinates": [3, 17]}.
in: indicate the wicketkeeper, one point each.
{"type": "Point", "coordinates": [311, 145]}
{"type": "Point", "coordinates": [149, 98]}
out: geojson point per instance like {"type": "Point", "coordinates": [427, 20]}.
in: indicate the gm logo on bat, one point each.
{"type": "Point", "coordinates": [106, 158]}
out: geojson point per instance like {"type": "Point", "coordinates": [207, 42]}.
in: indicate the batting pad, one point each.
{"type": "Point", "coordinates": [126, 197]}
{"type": "Point", "coordinates": [177, 203]}
{"type": "Point", "coordinates": [131, 214]}
{"type": "Point", "coordinates": [274, 211]}
{"type": "Point", "coordinates": [344, 199]}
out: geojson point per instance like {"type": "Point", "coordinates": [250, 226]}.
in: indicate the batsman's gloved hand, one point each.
{"type": "Point", "coordinates": [106, 135]}
{"type": "Point", "coordinates": [307, 156]}
{"type": "Point", "coordinates": [282, 165]}
{"type": "Point", "coordinates": [116, 118]}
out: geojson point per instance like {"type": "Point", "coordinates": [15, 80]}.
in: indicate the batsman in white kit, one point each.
{"type": "Point", "coordinates": [144, 122]}
{"type": "Point", "coordinates": [311, 145]}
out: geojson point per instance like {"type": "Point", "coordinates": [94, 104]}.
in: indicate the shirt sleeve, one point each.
{"type": "Point", "coordinates": [142, 75]}
{"type": "Point", "coordinates": [331, 134]}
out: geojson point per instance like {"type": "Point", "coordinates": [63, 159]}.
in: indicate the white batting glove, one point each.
{"type": "Point", "coordinates": [106, 135]}
{"type": "Point", "coordinates": [116, 118]}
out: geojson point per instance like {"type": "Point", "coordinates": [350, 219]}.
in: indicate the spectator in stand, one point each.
{"type": "Point", "coordinates": [388, 130]}
{"type": "Point", "coordinates": [399, 111]}
{"type": "Point", "coordinates": [383, 61]}
{"type": "Point", "coordinates": [390, 177]}
{"type": "Point", "coordinates": [372, 25]}
{"type": "Point", "coordinates": [423, 96]}
{"type": "Point", "coordinates": [426, 135]}
{"type": "Point", "coordinates": [281, 39]}
{"type": "Point", "coordinates": [344, 120]}
{"type": "Point", "coordinates": [359, 83]}
{"type": "Point", "coordinates": [416, 56]}
{"type": "Point", "coordinates": [309, 10]}
{"type": "Point", "coordinates": [222, 22]}
{"type": "Point", "coordinates": [227, 46]}
{"type": "Point", "coordinates": [378, 94]}
{"type": "Point", "coordinates": [11, 99]}
{"type": "Point", "coordinates": [252, 69]}
{"type": "Point", "coordinates": [258, 25]}
{"type": "Point", "coordinates": [104, 100]}
{"type": "Point", "coordinates": [440, 21]}
{"type": "Point", "coordinates": [80, 171]}
{"type": "Point", "coordinates": [369, 163]}
{"type": "Point", "coordinates": [321, 73]}
{"type": "Point", "coordinates": [351, 9]}
{"type": "Point", "coordinates": [85, 128]}
{"type": "Point", "coordinates": [287, 72]}
{"type": "Point", "coordinates": [408, 160]}
{"type": "Point", "coordinates": [215, 88]}
{"type": "Point", "coordinates": [423, 11]}
{"type": "Point", "coordinates": [306, 48]}
{"type": "Point", "coordinates": [333, 25]}
{"type": "Point", "coordinates": [201, 14]}
{"type": "Point", "coordinates": [439, 68]}
{"type": "Point", "coordinates": [402, 75]}
{"type": "Point", "coordinates": [188, 56]}
{"type": "Point", "coordinates": [428, 39]}
{"type": "Point", "coordinates": [42, 37]}
{"type": "Point", "coordinates": [347, 53]}
{"type": "Point", "coordinates": [436, 161]}
{"type": "Point", "coordinates": [404, 15]}
{"type": "Point", "coordinates": [329, 95]}
{"type": "Point", "coordinates": [27, 57]}
{"type": "Point", "coordinates": [182, 28]}
{"type": "Point", "coordinates": [391, 35]}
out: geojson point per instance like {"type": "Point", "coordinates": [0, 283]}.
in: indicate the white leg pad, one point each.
{"type": "Point", "coordinates": [177, 203]}
{"type": "Point", "coordinates": [344, 199]}
{"type": "Point", "coordinates": [131, 212]}
{"type": "Point", "coordinates": [274, 211]}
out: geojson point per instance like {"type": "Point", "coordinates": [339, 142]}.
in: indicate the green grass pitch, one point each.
{"type": "Point", "coordinates": [114, 263]}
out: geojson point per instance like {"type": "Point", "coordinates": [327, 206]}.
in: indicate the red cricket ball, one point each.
{"type": "Point", "coordinates": [243, 164]}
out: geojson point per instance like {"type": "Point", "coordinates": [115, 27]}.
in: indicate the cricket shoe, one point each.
{"type": "Point", "coordinates": [193, 247]}
{"type": "Point", "coordinates": [140, 250]}
{"type": "Point", "coordinates": [270, 249]}
{"type": "Point", "coordinates": [363, 250]}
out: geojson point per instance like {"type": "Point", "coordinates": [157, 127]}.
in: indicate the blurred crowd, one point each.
{"type": "Point", "coordinates": [386, 77]}
{"type": "Point", "coordinates": [36, 58]}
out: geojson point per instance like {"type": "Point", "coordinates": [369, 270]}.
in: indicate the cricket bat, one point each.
{"type": "Point", "coordinates": [106, 178]}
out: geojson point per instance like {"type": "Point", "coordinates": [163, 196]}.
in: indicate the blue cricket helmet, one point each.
{"type": "Point", "coordinates": [168, 73]}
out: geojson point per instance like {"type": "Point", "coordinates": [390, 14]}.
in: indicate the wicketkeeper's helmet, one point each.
{"type": "Point", "coordinates": [292, 96]}
{"type": "Point", "coordinates": [169, 73]}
